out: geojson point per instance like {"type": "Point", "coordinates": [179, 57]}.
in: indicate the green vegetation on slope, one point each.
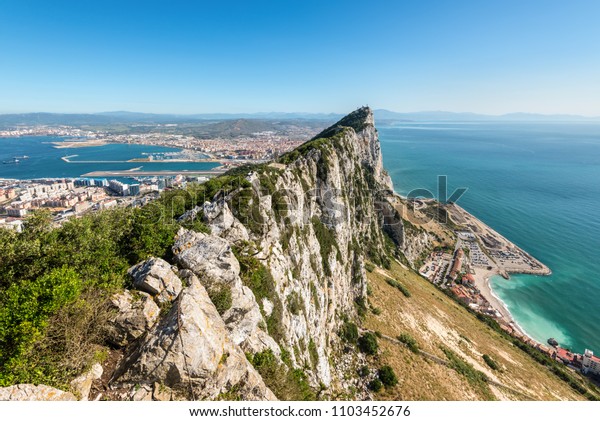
{"type": "Point", "coordinates": [285, 382]}
{"type": "Point", "coordinates": [44, 271]}
{"type": "Point", "coordinates": [55, 282]}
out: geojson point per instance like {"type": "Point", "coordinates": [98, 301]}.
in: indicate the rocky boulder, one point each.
{"type": "Point", "coordinates": [191, 351]}
{"type": "Point", "coordinates": [212, 260]}
{"type": "Point", "coordinates": [156, 277]}
{"type": "Point", "coordinates": [135, 314]}
{"type": "Point", "coordinates": [30, 392]}
{"type": "Point", "coordinates": [206, 255]}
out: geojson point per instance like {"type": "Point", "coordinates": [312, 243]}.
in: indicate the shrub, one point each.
{"type": "Point", "coordinates": [327, 242]}
{"type": "Point", "coordinates": [377, 311]}
{"type": "Point", "coordinates": [475, 377]}
{"type": "Point", "coordinates": [314, 354]}
{"type": "Point", "coordinates": [490, 362]}
{"type": "Point", "coordinates": [375, 385]}
{"type": "Point", "coordinates": [387, 376]}
{"type": "Point", "coordinates": [409, 341]}
{"type": "Point", "coordinates": [361, 306]}
{"type": "Point", "coordinates": [367, 343]}
{"type": "Point", "coordinates": [286, 383]}
{"type": "Point", "coordinates": [349, 332]}
{"type": "Point", "coordinates": [364, 371]}
{"type": "Point", "coordinates": [221, 298]}
{"type": "Point", "coordinates": [369, 266]}
{"type": "Point", "coordinates": [293, 303]}
{"type": "Point", "coordinates": [398, 286]}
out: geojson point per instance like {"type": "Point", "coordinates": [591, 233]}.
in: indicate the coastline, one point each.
{"type": "Point", "coordinates": [482, 276]}
{"type": "Point", "coordinates": [488, 254]}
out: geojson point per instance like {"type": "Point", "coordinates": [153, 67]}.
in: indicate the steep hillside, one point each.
{"type": "Point", "coordinates": [444, 329]}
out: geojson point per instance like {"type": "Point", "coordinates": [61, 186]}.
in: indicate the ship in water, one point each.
{"type": "Point", "coordinates": [15, 160]}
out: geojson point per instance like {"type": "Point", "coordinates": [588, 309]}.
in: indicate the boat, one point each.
{"type": "Point", "coordinates": [21, 157]}
{"type": "Point", "coordinates": [13, 161]}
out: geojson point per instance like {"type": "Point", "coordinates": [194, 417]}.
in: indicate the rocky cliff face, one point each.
{"type": "Point", "coordinates": [280, 269]}
{"type": "Point", "coordinates": [318, 215]}
{"type": "Point", "coordinates": [291, 242]}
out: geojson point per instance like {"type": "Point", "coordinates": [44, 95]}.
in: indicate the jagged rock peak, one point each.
{"type": "Point", "coordinates": [358, 120]}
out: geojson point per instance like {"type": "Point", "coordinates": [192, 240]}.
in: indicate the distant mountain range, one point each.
{"type": "Point", "coordinates": [386, 115]}
{"type": "Point", "coordinates": [381, 115]}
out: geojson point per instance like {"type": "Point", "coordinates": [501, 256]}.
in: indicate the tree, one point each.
{"type": "Point", "coordinates": [367, 343]}
{"type": "Point", "coordinates": [387, 376]}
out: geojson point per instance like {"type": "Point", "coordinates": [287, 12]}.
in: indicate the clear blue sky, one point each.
{"type": "Point", "coordinates": [488, 56]}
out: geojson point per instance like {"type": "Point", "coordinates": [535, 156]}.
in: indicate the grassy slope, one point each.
{"type": "Point", "coordinates": [436, 320]}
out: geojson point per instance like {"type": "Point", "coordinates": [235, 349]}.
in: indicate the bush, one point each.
{"type": "Point", "coordinates": [367, 343]}
{"type": "Point", "coordinates": [361, 306]}
{"type": "Point", "coordinates": [409, 341]}
{"type": "Point", "coordinates": [398, 286]}
{"type": "Point", "coordinates": [377, 311]}
{"type": "Point", "coordinates": [285, 382]}
{"type": "Point", "coordinates": [25, 310]}
{"type": "Point", "coordinates": [369, 266]}
{"type": "Point", "coordinates": [387, 376]}
{"type": "Point", "coordinates": [364, 371]}
{"type": "Point", "coordinates": [327, 242]}
{"type": "Point", "coordinates": [221, 298]}
{"type": "Point", "coordinates": [490, 362]}
{"type": "Point", "coordinates": [475, 377]}
{"type": "Point", "coordinates": [293, 303]}
{"type": "Point", "coordinates": [349, 332]}
{"type": "Point", "coordinates": [375, 385]}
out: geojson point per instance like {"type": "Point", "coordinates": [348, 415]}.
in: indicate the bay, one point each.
{"type": "Point", "coordinates": [45, 160]}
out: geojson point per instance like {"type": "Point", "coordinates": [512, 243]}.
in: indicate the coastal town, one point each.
{"type": "Point", "coordinates": [260, 145]}
{"type": "Point", "coordinates": [464, 271]}
{"type": "Point", "coordinates": [73, 197]}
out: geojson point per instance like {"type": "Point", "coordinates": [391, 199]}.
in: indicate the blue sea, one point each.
{"type": "Point", "coordinates": [44, 160]}
{"type": "Point", "coordinates": [538, 185]}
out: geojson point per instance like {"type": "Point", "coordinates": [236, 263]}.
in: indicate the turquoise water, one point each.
{"type": "Point", "coordinates": [538, 185]}
{"type": "Point", "coordinates": [44, 160]}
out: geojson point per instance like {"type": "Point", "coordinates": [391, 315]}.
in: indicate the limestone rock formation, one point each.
{"type": "Point", "coordinates": [212, 260]}
{"type": "Point", "coordinates": [312, 218]}
{"type": "Point", "coordinates": [190, 350]}
{"type": "Point", "coordinates": [156, 277]}
{"type": "Point", "coordinates": [135, 313]}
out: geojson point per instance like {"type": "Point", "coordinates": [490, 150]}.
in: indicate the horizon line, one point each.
{"type": "Point", "coordinates": [322, 113]}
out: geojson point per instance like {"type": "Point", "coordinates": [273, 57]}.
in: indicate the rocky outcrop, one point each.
{"type": "Point", "coordinates": [416, 244]}
{"type": "Point", "coordinates": [212, 260]}
{"type": "Point", "coordinates": [312, 219]}
{"type": "Point", "coordinates": [30, 392]}
{"type": "Point", "coordinates": [83, 384]}
{"type": "Point", "coordinates": [156, 277]}
{"type": "Point", "coordinates": [135, 313]}
{"type": "Point", "coordinates": [190, 350]}
{"type": "Point", "coordinates": [221, 221]}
